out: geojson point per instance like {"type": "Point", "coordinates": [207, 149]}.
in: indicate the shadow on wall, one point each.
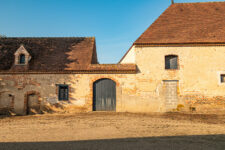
{"type": "Point", "coordinates": [198, 142]}
{"type": "Point", "coordinates": [22, 95]}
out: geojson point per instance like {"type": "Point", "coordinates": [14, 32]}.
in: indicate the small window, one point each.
{"type": "Point", "coordinates": [171, 62]}
{"type": "Point", "coordinates": [22, 59]}
{"type": "Point", "coordinates": [63, 92]}
{"type": "Point", "coordinates": [222, 78]}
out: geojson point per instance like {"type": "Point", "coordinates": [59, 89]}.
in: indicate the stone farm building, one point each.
{"type": "Point", "coordinates": [178, 63]}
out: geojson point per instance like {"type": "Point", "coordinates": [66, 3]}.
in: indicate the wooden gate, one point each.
{"type": "Point", "coordinates": [104, 95]}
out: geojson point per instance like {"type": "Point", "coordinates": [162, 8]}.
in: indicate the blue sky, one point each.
{"type": "Point", "coordinates": [116, 24]}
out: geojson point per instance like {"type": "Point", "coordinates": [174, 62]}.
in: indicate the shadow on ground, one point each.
{"type": "Point", "coordinates": [198, 142]}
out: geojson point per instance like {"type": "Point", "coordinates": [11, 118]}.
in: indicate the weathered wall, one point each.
{"type": "Point", "coordinates": [198, 83]}
{"type": "Point", "coordinates": [130, 95]}
{"type": "Point", "coordinates": [45, 85]}
{"type": "Point", "coordinates": [198, 75]}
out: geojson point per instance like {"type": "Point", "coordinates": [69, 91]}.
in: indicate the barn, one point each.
{"type": "Point", "coordinates": [177, 64]}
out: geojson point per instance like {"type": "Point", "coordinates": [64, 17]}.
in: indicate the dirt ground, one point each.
{"type": "Point", "coordinates": [106, 131]}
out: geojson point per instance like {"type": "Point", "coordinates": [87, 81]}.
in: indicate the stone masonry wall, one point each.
{"type": "Point", "coordinates": [129, 97]}
{"type": "Point", "coordinates": [198, 74]}
{"type": "Point", "coordinates": [198, 83]}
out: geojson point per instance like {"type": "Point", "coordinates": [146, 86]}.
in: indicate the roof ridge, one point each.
{"type": "Point", "coordinates": [199, 2]}
{"type": "Point", "coordinates": [187, 23]}
{"type": "Point", "coordinates": [47, 37]}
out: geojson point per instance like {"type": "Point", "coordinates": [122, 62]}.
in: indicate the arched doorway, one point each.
{"type": "Point", "coordinates": [33, 103]}
{"type": "Point", "coordinates": [104, 95]}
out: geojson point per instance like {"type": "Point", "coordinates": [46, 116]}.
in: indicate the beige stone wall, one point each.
{"type": "Point", "coordinates": [198, 74]}
{"type": "Point", "coordinates": [130, 56]}
{"type": "Point", "coordinates": [198, 86]}
{"type": "Point", "coordinates": [80, 92]}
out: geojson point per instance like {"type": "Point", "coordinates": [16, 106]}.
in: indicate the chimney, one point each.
{"type": "Point", "coordinates": [172, 1]}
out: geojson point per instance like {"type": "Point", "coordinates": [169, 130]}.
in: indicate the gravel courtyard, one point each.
{"type": "Point", "coordinates": [99, 131]}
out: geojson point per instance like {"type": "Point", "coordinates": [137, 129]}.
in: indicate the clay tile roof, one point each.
{"type": "Point", "coordinates": [113, 67]}
{"type": "Point", "coordinates": [50, 54]}
{"type": "Point", "coordinates": [188, 23]}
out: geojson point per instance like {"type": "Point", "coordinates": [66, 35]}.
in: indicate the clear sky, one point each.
{"type": "Point", "coordinates": [116, 24]}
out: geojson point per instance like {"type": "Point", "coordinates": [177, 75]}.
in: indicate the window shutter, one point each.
{"type": "Point", "coordinates": [171, 62]}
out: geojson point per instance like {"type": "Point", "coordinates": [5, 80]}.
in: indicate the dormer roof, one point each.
{"type": "Point", "coordinates": [21, 50]}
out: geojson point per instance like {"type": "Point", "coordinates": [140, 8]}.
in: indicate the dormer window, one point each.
{"type": "Point", "coordinates": [22, 59]}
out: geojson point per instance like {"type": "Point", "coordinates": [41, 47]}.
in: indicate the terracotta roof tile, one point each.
{"type": "Point", "coordinates": [113, 67]}
{"type": "Point", "coordinates": [188, 23]}
{"type": "Point", "coordinates": [57, 55]}
{"type": "Point", "coordinates": [49, 54]}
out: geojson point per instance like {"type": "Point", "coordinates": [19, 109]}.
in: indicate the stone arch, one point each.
{"type": "Point", "coordinates": [36, 102]}
{"type": "Point", "coordinates": [6, 102]}
{"type": "Point", "coordinates": [105, 77]}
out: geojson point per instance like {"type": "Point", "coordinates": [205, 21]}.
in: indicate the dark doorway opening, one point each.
{"type": "Point", "coordinates": [104, 95]}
